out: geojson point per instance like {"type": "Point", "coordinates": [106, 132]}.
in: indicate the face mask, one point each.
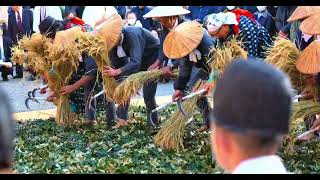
{"type": "Point", "coordinates": [231, 7]}
{"type": "Point", "coordinates": [131, 21]}
{"type": "Point", "coordinates": [261, 8]}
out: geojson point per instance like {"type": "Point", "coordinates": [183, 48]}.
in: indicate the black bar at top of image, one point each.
{"type": "Point", "coordinates": [162, 2]}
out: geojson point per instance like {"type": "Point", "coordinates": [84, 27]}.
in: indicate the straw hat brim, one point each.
{"type": "Point", "coordinates": [111, 29]}
{"type": "Point", "coordinates": [165, 11]}
{"type": "Point", "coordinates": [183, 39]}
{"type": "Point", "coordinates": [66, 37]}
{"type": "Point", "coordinates": [309, 60]}
{"type": "Point", "coordinates": [311, 25]}
{"type": "Point", "coordinates": [302, 12]}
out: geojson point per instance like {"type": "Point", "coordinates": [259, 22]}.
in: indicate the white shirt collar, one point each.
{"type": "Point", "coordinates": [261, 165]}
{"type": "Point", "coordinates": [20, 12]}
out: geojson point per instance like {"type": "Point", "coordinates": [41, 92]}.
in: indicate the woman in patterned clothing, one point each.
{"type": "Point", "coordinates": [82, 84]}
{"type": "Point", "coordinates": [254, 36]}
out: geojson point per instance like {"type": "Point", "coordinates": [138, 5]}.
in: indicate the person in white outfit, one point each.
{"type": "Point", "coordinates": [95, 15]}
{"type": "Point", "coordinates": [3, 21]}
{"type": "Point", "coordinates": [249, 123]}
{"type": "Point", "coordinates": [41, 12]}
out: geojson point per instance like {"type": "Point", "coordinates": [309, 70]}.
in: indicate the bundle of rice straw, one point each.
{"type": "Point", "coordinates": [64, 55]}
{"type": "Point", "coordinates": [96, 47]}
{"type": "Point", "coordinates": [283, 55]}
{"type": "Point", "coordinates": [300, 111]}
{"type": "Point", "coordinates": [303, 109]}
{"type": "Point", "coordinates": [170, 136]}
{"type": "Point", "coordinates": [237, 49]}
{"type": "Point", "coordinates": [35, 43]}
{"type": "Point", "coordinates": [133, 83]}
{"type": "Point", "coordinates": [221, 57]}
{"type": "Point", "coordinates": [32, 52]}
{"type": "Point", "coordinates": [58, 59]}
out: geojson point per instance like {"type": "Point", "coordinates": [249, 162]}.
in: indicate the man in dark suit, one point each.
{"type": "Point", "coordinates": [75, 10]}
{"type": "Point", "coordinates": [20, 23]}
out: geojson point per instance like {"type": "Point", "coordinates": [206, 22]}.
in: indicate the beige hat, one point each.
{"type": "Point", "coordinates": [183, 39]}
{"type": "Point", "coordinates": [302, 12]}
{"type": "Point", "coordinates": [66, 37]}
{"type": "Point", "coordinates": [111, 29]}
{"type": "Point", "coordinates": [311, 25]}
{"type": "Point", "coordinates": [165, 11]}
{"type": "Point", "coordinates": [309, 60]}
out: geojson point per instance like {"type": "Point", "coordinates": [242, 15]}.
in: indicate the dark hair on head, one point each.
{"type": "Point", "coordinates": [131, 12]}
{"type": "Point", "coordinates": [7, 132]}
{"type": "Point", "coordinates": [50, 26]}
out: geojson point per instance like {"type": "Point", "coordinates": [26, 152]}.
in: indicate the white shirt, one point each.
{"type": "Point", "coordinates": [53, 11]}
{"type": "Point", "coordinates": [261, 165]}
{"type": "Point", "coordinates": [4, 14]}
{"type": "Point", "coordinates": [20, 12]}
{"type": "Point", "coordinates": [92, 14]}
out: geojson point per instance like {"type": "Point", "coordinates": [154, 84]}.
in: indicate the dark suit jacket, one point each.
{"type": "Point", "coordinates": [77, 10]}
{"type": "Point", "coordinates": [27, 22]}
{"type": "Point", "coordinates": [140, 46]}
{"type": "Point", "coordinates": [283, 13]}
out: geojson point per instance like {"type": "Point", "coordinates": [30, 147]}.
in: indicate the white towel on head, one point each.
{"type": "Point", "coordinates": [120, 51]}
{"type": "Point", "coordinates": [195, 55]}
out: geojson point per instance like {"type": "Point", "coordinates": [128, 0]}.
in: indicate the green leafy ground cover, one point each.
{"type": "Point", "coordinates": [44, 147]}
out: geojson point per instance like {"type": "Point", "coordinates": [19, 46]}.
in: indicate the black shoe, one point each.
{"type": "Point", "coordinates": [17, 77]}
{"type": "Point", "coordinates": [5, 78]}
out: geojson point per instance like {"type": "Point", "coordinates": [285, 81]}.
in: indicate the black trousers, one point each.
{"type": "Point", "coordinates": [6, 71]}
{"type": "Point", "coordinates": [19, 70]}
{"type": "Point", "coordinates": [149, 93]}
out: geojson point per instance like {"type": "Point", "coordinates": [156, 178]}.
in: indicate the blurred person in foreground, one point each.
{"type": "Point", "coordinates": [7, 135]}
{"type": "Point", "coordinates": [249, 123]}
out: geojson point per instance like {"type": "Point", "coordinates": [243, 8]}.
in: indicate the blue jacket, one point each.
{"type": "Point", "coordinates": [146, 22]}
{"type": "Point", "coordinates": [185, 65]}
{"type": "Point", "coordinates": [27, 23]}
{"type": "Point", "coordinates": [141, 48]}
{"type": "Point", "coordinates": [199, 12]}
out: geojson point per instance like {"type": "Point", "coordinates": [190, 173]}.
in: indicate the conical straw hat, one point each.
{"type": "Point", "coordinates": [311, 25]}
{"type": "Point", "coordinates": [165, 11]}
{"type": "Point", "coordinates": [309, 60]}
{"type": "Point", "coordinates": [302, 12]}
{"type": "Point", "coordinates": [66, 37]}
{"type": "Point", "coordinates": [111, 29]}
{"type": "Point", "coordinates": [183, 39]}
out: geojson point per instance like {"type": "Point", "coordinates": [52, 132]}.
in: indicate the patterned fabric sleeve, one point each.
{"type": "Point", "coordinates": [254, 37]}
